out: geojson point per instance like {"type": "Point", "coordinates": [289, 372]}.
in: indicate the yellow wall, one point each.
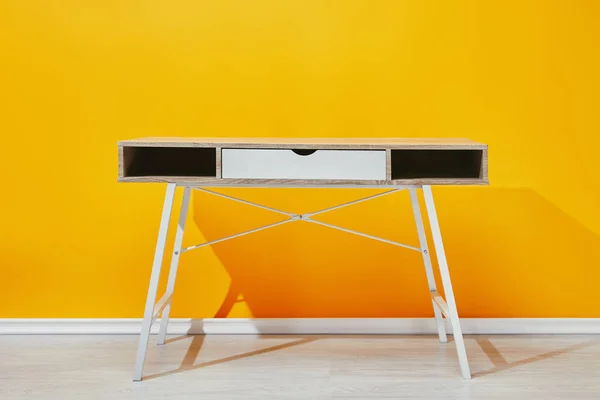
{"type": "Point", "coordinates": [77, 76]}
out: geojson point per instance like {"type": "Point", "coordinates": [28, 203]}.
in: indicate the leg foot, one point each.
{"type": "Point", "coordinates": [447, 283]}
{"type": "Point", "coordinates": [154, 277]}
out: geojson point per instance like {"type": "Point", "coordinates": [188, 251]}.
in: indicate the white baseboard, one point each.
{"type": "Point", "coordinates": [300, 326]}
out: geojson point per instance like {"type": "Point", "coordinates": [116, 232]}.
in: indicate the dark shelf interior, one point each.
{"type": "Point", "coordinates": [169, 161]}
{"type": "Point", "coordinates": [415, 164]}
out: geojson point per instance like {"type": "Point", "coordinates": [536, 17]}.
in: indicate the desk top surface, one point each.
{"type": "Point", "coordinates": [362, 143]}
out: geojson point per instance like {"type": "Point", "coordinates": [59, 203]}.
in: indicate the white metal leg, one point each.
{"type": "Point", "coordinates": [164, 321]}
{"type": "Point", "coordinates": [154, 277]}
{"type": "Point", "coordinates": [441, 307]}
{"type": "Point", "coordinates": [447, 283]}
{"type": "Point", "coordinates": [427, 261]}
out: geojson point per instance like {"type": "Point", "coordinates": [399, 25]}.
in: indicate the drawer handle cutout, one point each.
{"type": "Point", "coordinates": [303, 152]}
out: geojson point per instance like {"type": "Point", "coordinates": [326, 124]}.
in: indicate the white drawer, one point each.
{"type": "Point", "coordinates": [286, 164]}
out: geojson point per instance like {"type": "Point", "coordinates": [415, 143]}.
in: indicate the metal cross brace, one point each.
{"type": "Point", "coordinates": [299, 217]}
{"type": "Point", "coordinates": [441, 307]}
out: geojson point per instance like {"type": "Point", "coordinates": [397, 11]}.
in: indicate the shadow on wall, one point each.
{"type": "Point", "coordinates": [511, 252]}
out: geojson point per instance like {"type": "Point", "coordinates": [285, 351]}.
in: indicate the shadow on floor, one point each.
{"type": "Point", "coordinates": [491, 351]}
{"type": "Point", "coordinates": [187, 364]}
{"type": "Point", "coordinates": [501, 364]}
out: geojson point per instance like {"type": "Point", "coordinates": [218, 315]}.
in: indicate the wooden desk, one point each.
{"type": "Point", "coordinates": [392, 163]}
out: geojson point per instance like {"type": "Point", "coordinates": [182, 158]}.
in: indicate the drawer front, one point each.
{"type": "Point", "coordinates": [287, 164]}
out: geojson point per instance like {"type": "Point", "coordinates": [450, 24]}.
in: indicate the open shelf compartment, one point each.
{"type": "Point", "coordinates": [146, 162]}
{"type": "Point", "coordinates": [441, 164]}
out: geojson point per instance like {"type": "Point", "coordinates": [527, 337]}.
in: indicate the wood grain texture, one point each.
{"type": "Point", "coordinates": [308, 143]}
{"type": "Point", "coordinates": [194, 181]}
{"type": "Point", "coordinates": [319, 367]}
{"type": "Point", "coordinates": [484, 165]}
{"type": "Point", "coordinates": [388, 164]}
{"type": "Point", "coordinates": [121, 161]}
{"type": "Point", "coordinates": [125, 159]}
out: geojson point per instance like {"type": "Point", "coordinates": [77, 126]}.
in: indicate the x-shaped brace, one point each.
{"type": "Point", "coordinates": [299, 217]}
{"type": "Point", "coordinates": [441, 307]}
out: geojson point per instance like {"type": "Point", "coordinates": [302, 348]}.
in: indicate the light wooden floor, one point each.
{"type": "Point", "coordinates": [306, 367]}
